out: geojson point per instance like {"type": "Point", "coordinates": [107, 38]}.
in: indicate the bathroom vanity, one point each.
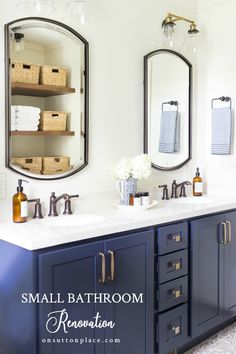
{"type": "Point", "coordinates": [184, 266]}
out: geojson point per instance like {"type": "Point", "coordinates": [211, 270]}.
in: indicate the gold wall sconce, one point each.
{"type": "Point", "coordinates": [169, 24]}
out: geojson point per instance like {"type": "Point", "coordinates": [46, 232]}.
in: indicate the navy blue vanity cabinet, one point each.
{"type": "Point", "coordinates": [213, 268]}
{"type": "Point", "coordinates": [133, 273]}
{"type": "Point", "coordinates": [129, 270]}
{"type": "Point", "coordinates": [207, 273]}
{"type": "Point", "coordinates": [74, 270]}
{"type": "Point", "coordinates": [230, 265]}
{"type": "Point", "coordinates": [121, 264]}
{"type": "Point", "coordinates": [172, 287]}
{"type": "Point", "coordinates": [18, 333]}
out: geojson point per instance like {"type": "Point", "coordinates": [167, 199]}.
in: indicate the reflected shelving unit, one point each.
{"type": "Point", "coordinates": [43, 133]}
{"type": "Point", "coordinates": [39, 90]}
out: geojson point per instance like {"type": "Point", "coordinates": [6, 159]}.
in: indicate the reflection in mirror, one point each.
{"type": "Point", "coordinates": [47, 98]}
{"type": "Point", "coordinates": [167, 101]}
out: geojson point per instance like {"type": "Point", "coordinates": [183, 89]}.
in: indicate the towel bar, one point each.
{"type": "Point", "coordinates": [171, 103]}
{"type": "Point", "coordinates": [223, 99]}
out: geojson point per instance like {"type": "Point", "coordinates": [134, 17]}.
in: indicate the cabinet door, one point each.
{"type": "Point", "coordinates": [134, 274]}
{"type": "Point", "coordinates": [207, 263]}
{"type": "Point", "coordinates": [230, 266]}
{"type": "Point", "coordinates": [70, 270]}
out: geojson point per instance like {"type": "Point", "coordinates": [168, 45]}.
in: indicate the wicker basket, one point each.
{"type": "Point", "coordinates": [51, 172]}
{"type": "Point", "coordinates": [53, 120]}
{"type": "Point", "coordinates": [55, 164]}
{"type": "Point", "coordinates": [53, 75]}
{"type": "Point", "coordinates": [32, 164]}
{"type": "Point", "coordinates": [25, 73]}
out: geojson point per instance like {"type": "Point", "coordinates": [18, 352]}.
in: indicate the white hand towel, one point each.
{"type": "Point", "coordinates": [221, 131]}
{"type": "Point", "coordinates": [30, 109]}
{"type": "Point", "coordinates": [168, 132]}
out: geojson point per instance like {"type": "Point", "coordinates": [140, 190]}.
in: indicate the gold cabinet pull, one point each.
{"type": "Point", "coordinates": [225, 232]}
{"type": "Point", "coordinates": [103, 273]}
{"type": "Point", "coordinates": [177, 266]}
{"type": "Point", "coordinates": [229, 231]}
{"type": "Point", "coordinates": [112, 275]}
{"type": "Point", "coordinates": [176, 293]}
{"type": "Point", "coordinates": [177, 238]}
{"type": "Point", "coordinates": [176, 330]}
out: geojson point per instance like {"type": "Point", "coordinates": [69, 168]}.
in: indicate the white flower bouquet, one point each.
{"type": "Point", "coordinates": [138, 168]}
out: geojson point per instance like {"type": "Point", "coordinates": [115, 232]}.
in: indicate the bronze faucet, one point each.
{"type": "Point", "coordinates": [53, 203]}
{"type": "Point", "coordinates": [182, 185]}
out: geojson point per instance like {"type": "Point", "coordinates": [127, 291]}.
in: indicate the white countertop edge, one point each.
{"type": "Point", "coordinates": [114, 224]}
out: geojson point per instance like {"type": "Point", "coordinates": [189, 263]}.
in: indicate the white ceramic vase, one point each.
{"type": "Point", "coordinates": [125, 188]}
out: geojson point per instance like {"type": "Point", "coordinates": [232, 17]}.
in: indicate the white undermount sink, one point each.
{"type": "Point", "coordinates": [74, 220]}
{"type": "Point", "coordinates": [193, 200]}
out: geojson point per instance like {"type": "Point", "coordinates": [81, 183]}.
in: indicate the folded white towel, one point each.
{"type": "Point", "coordinates": [30, 109]}
{"type": "Point", "coordinates": [25, 124]}
{"type": "Point", "coordinates": [24, 127]}
{"type": "Point", "coordinates": [13, 111]}
{"type": "Point", "coordinates": [19, 129]}
{"type": "Point", "coordinates": [27, 120]}
{"type": "Point", "coordinates": [26, 113]}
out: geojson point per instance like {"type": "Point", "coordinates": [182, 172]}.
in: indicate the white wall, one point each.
{"type": "Point", "coordinates": [216, 77]}
{"type": "Point", "coordinates": [125, 32]}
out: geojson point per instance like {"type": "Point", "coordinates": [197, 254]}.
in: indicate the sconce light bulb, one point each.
{"type": "Point", "coordinates": [168, 28]}
{"type": "Point", "coordinates": [19, 43]}
{"type": "Point", "coordinates": [39, 6]}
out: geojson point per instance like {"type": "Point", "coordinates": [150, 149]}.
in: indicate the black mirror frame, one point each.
{"type": "Point", "coordinates": [8, 93]}
{"type": "Point", "coordinates": [146, 57]}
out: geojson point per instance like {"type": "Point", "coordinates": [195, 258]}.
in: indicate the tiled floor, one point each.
{"type": "Point", "coordinates": [223, 342]}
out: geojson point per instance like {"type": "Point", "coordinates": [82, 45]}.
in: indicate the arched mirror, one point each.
{"type": "Point", "coordinates": [167, 109]}
{"type": "Point", "coordinates": [46, 99]}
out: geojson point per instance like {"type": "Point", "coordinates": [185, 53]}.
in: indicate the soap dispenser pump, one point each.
{"type": "Point", "coordinates": [197, 184]}
{"type": "Point", "coordinates": [20, 204]}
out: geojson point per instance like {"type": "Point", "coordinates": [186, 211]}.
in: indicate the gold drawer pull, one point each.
{"type": "Point", "coordinates": [177, 266]}
{"type": "Point", "coordinates": [229, 231]}
{"type": "Point", "coordinates": [225, 232]}
{"type": "Point", "coordinates": [176, 293]}
{"type": "Point", "coordinates": [103, 273]}
{"type": "Point", "coordinates": [177, 238]}
{"type": "Point", "coordinates": [176, 329]}
{"type": "Point", "coordinates": [112, 276]}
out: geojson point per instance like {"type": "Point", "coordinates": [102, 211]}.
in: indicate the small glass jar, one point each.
{"type": "Point", "coordinates": [145, 198]}
{"type": "Point", "coordinates": [131, 199]}
{"type": "Point", "coordinates": [137, 199]}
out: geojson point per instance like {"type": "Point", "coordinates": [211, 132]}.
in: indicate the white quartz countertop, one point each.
{"type": "Point", "coordinates": [37, 234]}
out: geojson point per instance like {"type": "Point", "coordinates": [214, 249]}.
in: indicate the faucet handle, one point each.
{"type": "Point", "coordinates": [68, 210]}
{"type": "Point", "coordinates": [165, 195]}
{"type": "Point", "coordinates": [183, 189]}
{"type": "Point", "coordinates": [74, 196]}
{"type": "Point", "coordinates": [186, 183]}
{"type": "Point", "coordinates": [38, 209]}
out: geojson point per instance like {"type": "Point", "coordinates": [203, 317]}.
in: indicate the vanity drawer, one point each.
{"type": "Point", "coordinates": [172, 329]}
{"type": "Point", "coordinates": [173, 293]}
{"type": "Point", "coordinates": [172, 266]}
{"type": "Point", "coordinates": [172, 238]}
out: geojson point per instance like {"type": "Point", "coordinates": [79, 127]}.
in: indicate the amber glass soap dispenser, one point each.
{"type": "Point", "coordinates": [20, 204]}
{"type": "Point", "coordinates": [197, 184]}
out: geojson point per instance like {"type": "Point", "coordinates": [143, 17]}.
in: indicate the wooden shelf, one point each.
{"type": "Point", "coordinates": [42, 133]}
{"type": "Point", "coordinates": [39, 90]}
